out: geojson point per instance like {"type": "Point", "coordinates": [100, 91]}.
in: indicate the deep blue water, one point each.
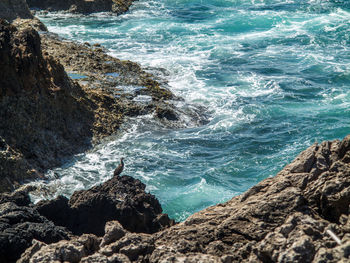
{"type": "Point", "coordinates": [274, 74]}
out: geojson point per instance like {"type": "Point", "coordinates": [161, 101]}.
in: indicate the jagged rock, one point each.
{"type": "Point", "coordinates": [17, 11]}
{"type": "Point", "coordinates": [29, 253]}
{"type": "Point", "coordinates": [45, 117]}
{"type": "Point", "coordinates": [12, 9]}
{"type": "Point", "coordinates": [20, 224]}
{"type": "Point", "coordinates": [137, 247]}
{"type": "Point", "coordinates": [121, 198]}
{"type": "Point", "coordinates": [282, 219]}
{"type": "Point", "coordinates": [83, 6]}
{"type": "Point", "coordinates": [65, 251]}
{"type": "Point", "coordinates": [99, 258]}
{"type": "Point", "coordinates": [113, 232]}
{"type": "Point", "coordinates": [287, 218]}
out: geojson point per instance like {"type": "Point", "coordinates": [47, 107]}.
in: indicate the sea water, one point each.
{"type": "Point", "coordinates": [273, 74]}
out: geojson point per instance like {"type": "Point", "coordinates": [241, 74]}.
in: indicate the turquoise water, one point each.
{"type": "Point", "coordinates": [275, 76]}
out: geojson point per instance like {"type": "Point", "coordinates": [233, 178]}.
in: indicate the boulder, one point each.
{"type": "Point", "coordinates": [121, 198]}
{"type": "Point", "coordinates": [12, 9]}
{"type": "Point", "coordinates": [45, 117]}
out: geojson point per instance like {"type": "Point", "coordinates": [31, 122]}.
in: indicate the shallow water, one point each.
{"type": "Point", "coordinates": [274, 74]}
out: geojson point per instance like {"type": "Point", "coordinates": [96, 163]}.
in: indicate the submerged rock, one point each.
{"type": "Point", "coordinates": [82, 6]}
{"type": "Point", "coordinates": [18, 10]}
{"type": "Point", "coordinates": [121, 198]}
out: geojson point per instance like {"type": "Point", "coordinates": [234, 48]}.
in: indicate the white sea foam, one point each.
{"type": "Point", "coordinates": [273, 73]}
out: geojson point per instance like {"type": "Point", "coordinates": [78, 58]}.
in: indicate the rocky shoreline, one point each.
{"type": "Point", "coordinates": [58, 98]}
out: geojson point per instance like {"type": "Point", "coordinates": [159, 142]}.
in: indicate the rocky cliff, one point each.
{"type": "Point", "coordinates": [82, 6]}
{"type": "Point", "coordinates": [44, 116]}
{"type": "Point", "coordinates": [122, 199]}
{"type": "Point", "coordinates": [300, 215]}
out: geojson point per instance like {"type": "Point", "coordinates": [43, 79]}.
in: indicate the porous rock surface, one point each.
{"type": "Point", "coordinates": [44, 115]}
{"type": "Point", "coordinates": [287, 218]}
{"type": "Point", "coordinates": [82, 6]}
{"type": "Point", "coordinates": [120, 88]}
{"type": "Point", "coordinates": [121, 198]}
{"type": "Point", "coordinates": [282, 219]}
{"type": "Point", "coordinates": [11, 9]}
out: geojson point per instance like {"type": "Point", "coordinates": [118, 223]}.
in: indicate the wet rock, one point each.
{"type": "Point", "coordinates": [82, 6]}
{"type": "Point", "coordinates": [121, 198]}
{"type": "Point", "coordinates": [116, 86]}
{"type": "Point", "coordinates": [167, 113]}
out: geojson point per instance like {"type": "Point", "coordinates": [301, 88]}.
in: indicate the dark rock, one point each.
{"type": "Point", "coordinates": [20, 224]}
{"type": "Point", "coordinates": [45, 117]}
{"type": "Point", "coordinates": [282, 219]}
{"type": "Point", "coordinates": [167, 113]}
{"type": "Point", "coordinates": [82, 6]}
{"type": "Point", "coordinates": [10, 10]}
{"type": "Point", "coordinates": [287, 218]}
{"type": "Point", "coordinates": [121, 198]}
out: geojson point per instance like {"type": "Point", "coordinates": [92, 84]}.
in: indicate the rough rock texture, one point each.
{"type": "Point", "coordinates": [11, 9]}
{"type": "Point", "coordinates": [287, 218]}
{"type": "Point", "coordinates": [20, 223]}
{"type": "Point", "coordinates": [112, 84]}
{"type": "Point", "coordinates": [121, 198]}
{"type": "Point", "coordinates": [15, 10]}
{"type": "Point", "coordinates": [282, 219]}
{"type": "Point", "coordinates": [120, 88]}
{"type": "Point", "coordinates": [82, 6]}
{"type": "Point", "coordinates": [44, 115]}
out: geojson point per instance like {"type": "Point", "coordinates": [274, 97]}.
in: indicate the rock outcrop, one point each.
{"type": "Point", "coordinates": [119, 88]}
{"type": "Point", "coordinates": [82, 6]}
{"type": "Point", "coordinates": [45, 117]}
{"type": "Point", "coordinates": [89, 214]}
{"type": "Point", "coordinates": [12, 9]}
{"type": "Point", "coordinates": [282, 219]}
{"type": "Point", "coordinates": [121, 198]}
{"type": "Point", "coordinates": [17, 10]}
{"type": "Point", "coordinates": [300, 215]}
